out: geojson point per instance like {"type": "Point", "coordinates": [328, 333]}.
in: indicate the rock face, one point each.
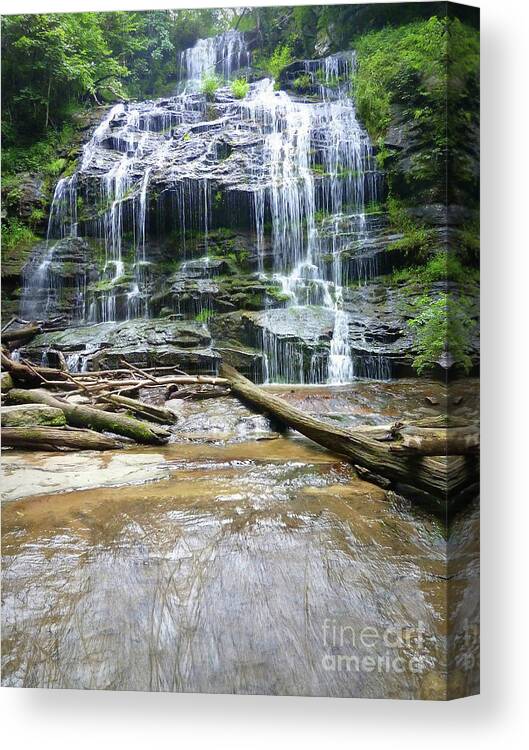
{"type": "Point", "coordinates": [145, 343]}
{"type": "Point", "coordinates": [28, 196]}
{"type": "Point", "coordinates": [55, 277]}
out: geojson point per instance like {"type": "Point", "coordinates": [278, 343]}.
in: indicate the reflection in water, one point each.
{"type": "Point", "coordinates": [252, 567]}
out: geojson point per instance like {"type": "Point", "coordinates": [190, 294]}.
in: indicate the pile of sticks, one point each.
{"type": "Point", "coordinates": [103, 403]}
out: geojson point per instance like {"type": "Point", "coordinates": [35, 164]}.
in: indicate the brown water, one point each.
{"type": "Point", "coordinates": [245, 565]}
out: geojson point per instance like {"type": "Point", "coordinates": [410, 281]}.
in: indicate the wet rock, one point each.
{"type": "Point", "coordinates": [245, 359]}
{"type": "Point", "coordinates": [29, 194]}
{"type": "Point", "coordinates": [55, 276]}
{"type": "Point", "coordinates": [308, 324]}
{"type": "Point", "coordinates": [441, 215]}
{"type": "Point", "coordinates": [184, 344]}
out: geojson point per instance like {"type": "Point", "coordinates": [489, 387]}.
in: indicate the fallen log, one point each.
{"type": "Point", "coordinates": [21, 334]}
{"type": "Point", "coordinates": [440, 478]}
{"type": "Point", "coordinates": [200, 393]}
{"type": "Point", "coordinates": [131, 385]}
{"type": "Point", "coordinates": [6, 382]}
{"type": "Point", "coordinates": [32, 415]}
{"type": "Point", "coordinates": [432, 442]}
{"type": "Point", "coordinates": [55, 438]}
{"type": "Point", "coordinates": [79, 415]}
{"type": "Point", "coordinates": [147, 411]}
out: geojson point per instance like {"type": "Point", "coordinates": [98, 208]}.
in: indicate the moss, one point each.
{"type": "Point", "coordinates": [6, 382]}
{"type": "Point", "coordinates": [277, 294]}
{"type": "Point", "coordinates": [30, 416]}
{"type": "Point", "coordinates": [203, 316]}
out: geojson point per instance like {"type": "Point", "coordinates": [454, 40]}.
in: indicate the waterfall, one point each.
{"type": "Point", "coordinates": [316, 158]}
{"type": "Point", "coordinates": [305, 172]}
{"type": "Point", "coordinates": [219, 55]}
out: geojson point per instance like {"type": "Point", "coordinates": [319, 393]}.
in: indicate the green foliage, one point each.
{"type": "Point", "coordinates": [15, 233]}
{"type": "Point", "coordinates": [279, 59]}
{"type": "Point", "coordinates": [204, 315]}
{"type": "Point", "coordinates": [442, 325]}
{"type": "Point", "coordinates": [373, 208]}
{"type": "Point", "coordinates": [302, 82]}
{"type": "Point", "coordinates": [55, 167]}
{"type": "Point", "coordinates": [209, 86]}
{"type": "Point", "coordinates": [395, 64]}
{"type": "Point", "coordinates": [426, 74]}
{"type": "Point", "coordinates": [442, 267]}
{"type": "Point", "coordinates": [54, 63]}
{"type": "Point", "coordinates": [240, 87]}
{"type": "Point", "coordinates": [417, 241]}
{"type": "Point", "coordinates": [38, 216]}
{"type": "Point", "coordinates": [469, 243]}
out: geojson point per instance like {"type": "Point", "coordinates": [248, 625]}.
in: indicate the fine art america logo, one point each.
{"type": "Point", "coordinates": [387, 649]}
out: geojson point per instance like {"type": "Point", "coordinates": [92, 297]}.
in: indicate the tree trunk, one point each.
{"type": "Point", "coordinates": [32, 415]}
{"type": "Point", "coordinates": [55, 438]}
{"type": "Point", "coordinates": [20, 334]}
{"type": "Point", "coordinates": [440, 477]}
{"type": "Point", "coordinates": [79, 415]}
{"type": "Point", "coordinates": [430, 442]}
{"type": "Point", "coordinates": [147, 411]}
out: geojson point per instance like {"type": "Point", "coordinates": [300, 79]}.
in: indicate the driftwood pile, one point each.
{"type": "Point", "coordinates": [100, 408]}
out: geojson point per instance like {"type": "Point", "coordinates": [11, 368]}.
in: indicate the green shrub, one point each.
{"type": "Point", "coordinates": [442, 326]}
{"type": "Point", "coordinates": [469, 238]}
{"type": "Point", "coordinates": [209, 86]}
{"type": "Point", "coordinates": [279, 59]}
{"type": "Point", "coordinates": [240, 87]}
{"type": "Point", "coordinates": [302, 82]}
{"type": "Point", "coordinates": [54, 167]}
{"type": "Point", "coordinates": [444, 266]}
{"type": "Point", "coordinates": [37, 217]}
{"type": "Point", "coordinates": [396, 63]}
{"type": "Point", "coordinates": [417, 241]}
{"type": "Point", "coordinates": [14, 233]}
{"type": "Point", "coordinates": [39, 156]}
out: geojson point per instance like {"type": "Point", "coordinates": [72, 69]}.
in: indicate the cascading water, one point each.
{"type": "Point", "coordinates": [217, 55]}
{"type": "Point", "coordinates": [319, 159]}
{"type": "Point", "coordinates": [304, 163]}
